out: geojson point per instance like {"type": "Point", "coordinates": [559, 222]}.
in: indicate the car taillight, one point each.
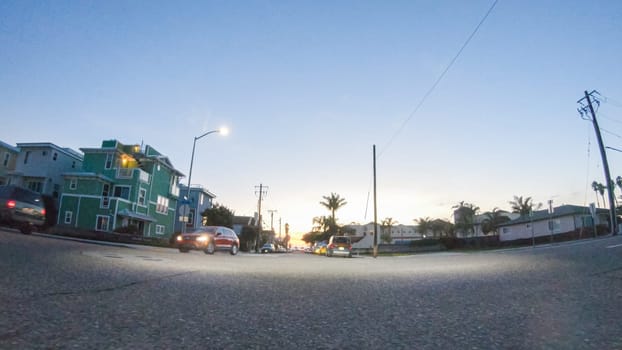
{"type": "Point", "coordinates": [42, 211]}
{"type": "Point", "coordinates": [332, 246]}
{"type": "Point", "coordinates": [11, 203]}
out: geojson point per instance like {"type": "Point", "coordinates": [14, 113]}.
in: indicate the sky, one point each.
{"type": "Point", "coordinates": [306, 89]}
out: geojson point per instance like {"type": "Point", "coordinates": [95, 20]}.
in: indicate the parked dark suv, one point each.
{"type": "Point", "coordinates": [21, 208]}
{"type": "Point", "coordinates": [209, 239]}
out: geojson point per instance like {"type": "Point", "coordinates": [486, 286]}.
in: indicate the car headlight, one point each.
{"type": "Point", "coordinates": [202, 239]}
{"type": "Point", "coordinates": [180, 238]}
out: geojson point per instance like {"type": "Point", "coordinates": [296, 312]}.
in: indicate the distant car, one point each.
{"type": "Point", "coordinates": [268, 248]}
{"type": "Point", "coordinates": [21, 208]}
{"type": "Point", "coordinates": [339, 245]}
{"type": "Point", "coordinates": [209, 239]}
{"type": "Point", "coordinates": [319, 248]}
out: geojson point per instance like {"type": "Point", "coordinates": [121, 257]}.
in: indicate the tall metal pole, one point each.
{"type": "Point", "coordinates": [259, 215]}
{"type": "Point", "coordinates": [194, 144]}
{"type": "Point", "coordinates": [187, 199]}
{"type": "Point", "coordinates": [603, 154]}
{"type": "Point", "coordinates": [375, 210]}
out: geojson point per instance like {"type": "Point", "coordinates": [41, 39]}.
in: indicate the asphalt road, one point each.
{"type": "Point", "coordinates": [60, 294]}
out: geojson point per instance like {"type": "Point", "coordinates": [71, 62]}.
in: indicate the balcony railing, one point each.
{"type": "Point", "coordinates": [128, 173]}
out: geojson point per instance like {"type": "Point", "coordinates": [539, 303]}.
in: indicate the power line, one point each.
{"type": "Point", "coordinates": [609, 118]}
{"type": "Point", "coordinates": [612, 101]}
{"type": "Point", "coordinates": [611, 133]}
{"type": "Point", "coordinates": [438, 80]}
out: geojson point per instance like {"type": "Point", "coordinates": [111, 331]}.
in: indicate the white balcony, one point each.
{"type": "Point", "coordinates": [128, 173]}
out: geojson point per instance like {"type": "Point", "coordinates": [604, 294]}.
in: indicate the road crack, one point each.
{"type": "Point", "coordinates": [113, 288]}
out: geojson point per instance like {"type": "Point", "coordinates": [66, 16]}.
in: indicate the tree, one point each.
{"type": "Point", "coordinates": [321, 223]}
{"type": "Point", "coordinates": [424, 225]}
{"type": "Point", "coordinates": [523, 206]}
{"type": "Point", "coordinates": [247, 238]}
{"type": "Point", "coordinates": [333, 203]}
{"type": "Point", "coordinates": [442, 228]}
{"type": "Point", "coordinates": [599, 188]}
{"type": "Point", "coordinates": [312, 237]}
{"type": "Point", "coordinates": [492, 221]}
{"type": "Point", "coordinates": [218, 215]}
{"type": "Point", "coordinates": [387, 225]}
{"type": "Point", "coordinates": [464, 217]}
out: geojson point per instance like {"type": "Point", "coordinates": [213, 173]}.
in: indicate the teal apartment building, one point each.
{"type": "Point", "coordinates": [121, 188]}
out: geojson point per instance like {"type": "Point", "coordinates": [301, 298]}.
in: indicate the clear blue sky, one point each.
{"type": "Point", "coordinates": [307, 87]}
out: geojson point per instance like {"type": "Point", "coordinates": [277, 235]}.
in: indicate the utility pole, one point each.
{"type": "Point", "coordinates": [272, 211]}
{"type": "Point", "coordinates": [262, 192]}
{"type": "Point", "coordinates": [583, 110]}
{"type": "Point", "coordinates": [375, 210]}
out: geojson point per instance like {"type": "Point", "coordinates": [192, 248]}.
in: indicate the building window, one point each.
{"type": "Point", "coordinates": [26, 157]}
{"type": "Point", "coordinates": [36, 186]}
{"type": "Point", "coordinates": [108, 164]}
{"type": "Point", "coordinates": [555, 225]}
{"type": "Point", "coordinates": [142, 194]}
{"type": "Point", "coordinates": [159, 229]}
{"type": "Point", "coordinates": [190, 222]}
{"type": "Point", "coordinates": [73, 164]}
{"type": "Point", "coordinates": [68, 217]}
{"type": "Point", "coordinates": [7, 156]}
{"type": "Point", "coordinates": [55, 156]}
{"type": "Point", "coordinates": [44, 153]}
{"type": "Point", "coordinates": [73, 184]}
{"type": "Point", "coordinates": [105, 203]}
{"type": "Point", "coordinates": [122, 192]}
{"type": "Point", "coordinates": [102, 223]}
{"type": "Point", "coordinates": [162, 205]}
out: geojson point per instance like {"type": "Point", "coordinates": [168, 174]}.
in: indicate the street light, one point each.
{"type": "Point", "coordinates": [223, 131]}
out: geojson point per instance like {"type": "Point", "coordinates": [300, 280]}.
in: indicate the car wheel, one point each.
{"type": "Point", "coordinates": [210, 248]}
{"type": "Point", "coordinates": [183, 250]}
{"type": "Point", "coordinates": [25, 229]}
{"type": "Point", "coordinates": [234, 249]}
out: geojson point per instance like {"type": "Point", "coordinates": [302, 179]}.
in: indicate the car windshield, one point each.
{"type": "Point", "coordinates": [26, 196]}
{"type": "Point", "coordinates": [341, 240]}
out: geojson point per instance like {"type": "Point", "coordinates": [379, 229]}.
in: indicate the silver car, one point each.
{"type": "Point", "coordinates": [21, 208]}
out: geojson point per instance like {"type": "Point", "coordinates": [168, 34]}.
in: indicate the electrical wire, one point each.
{"type": "Point", "coordinates": [430, 90]}
{"type": "Point", "coordinates": [612, 101]}
{"type": "Point", "coordinates": [587, 175]}
{"type": "Point", "coordinates": [438, 80]}
{"type": "Point", "coordinates": [611, 133]}
{"type": "Point", "coordinates": [601, 114]}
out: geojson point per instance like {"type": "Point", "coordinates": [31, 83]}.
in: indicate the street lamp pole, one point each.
{"type": "Point", "coordinates": [222, 131]}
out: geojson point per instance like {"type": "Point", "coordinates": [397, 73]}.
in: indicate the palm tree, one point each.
{"type": "Point", "coordinates": [333, 203]}
{"type": "Point", "coordinates": [599, 189]}
{"type": "Point", "coordinates": [442, 228]}
{"type": "Point", "coordinates": [320, 223]}
{"type": "Point", "coordinates": [387, 224]}
{"type": "Point", "coordinates": [464, 217]}
{"type": "Point", "coordinates": [424, 225]}
{"type": "Point", "coordinates": [523, 206]}
{"type": "Point", "coordinates": [492, 221]}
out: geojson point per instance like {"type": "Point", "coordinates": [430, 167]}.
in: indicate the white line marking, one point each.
{"type": "Point", "coordinates": [614, 246]}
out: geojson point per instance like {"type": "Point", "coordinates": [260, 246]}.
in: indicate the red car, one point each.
{"type": "Point", "coordinates": [209, 239]}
